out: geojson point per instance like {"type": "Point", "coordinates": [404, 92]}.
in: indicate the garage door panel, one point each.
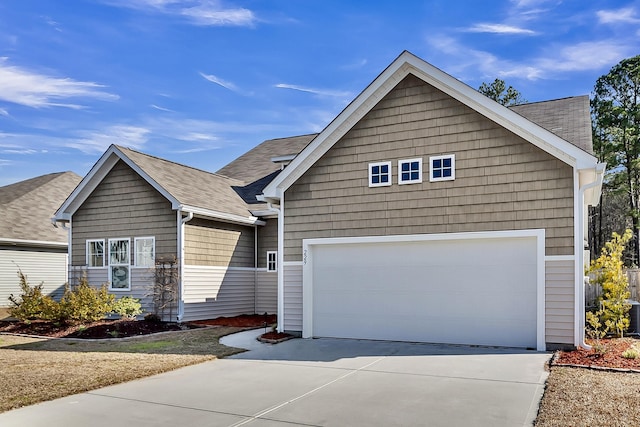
{"type": "Point", "coordinates": [480, 291]}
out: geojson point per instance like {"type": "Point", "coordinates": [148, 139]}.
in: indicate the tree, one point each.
{"type": "Point", "coordinates": [615, 110]}
{"type": "Point", "coordinates": [499, 92]}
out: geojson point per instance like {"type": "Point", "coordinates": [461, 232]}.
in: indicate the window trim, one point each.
{"type": "Point", "coordinates": [380, 184]}
{"type": "Point", "coordinates": [135, 251]}
{"type": "Point", "coordinates": [410, 181]}
{"type": "Point", "coordinates": [274, 262]}
{"type": "Point", "coordinates": [452, 157]}
{"type": "Point", "coordinates": [88, 253]}
{"type": "Point", "coordinates": [128, 265]}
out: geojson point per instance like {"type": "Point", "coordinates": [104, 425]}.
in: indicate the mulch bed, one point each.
{"type": "Point", "coordinates": [105, 329]}
{"type": "Point", "coordinates": [610, 357]}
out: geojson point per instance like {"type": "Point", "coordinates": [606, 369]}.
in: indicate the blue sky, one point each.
{"type": "Point", "coordinates": [200, 82]}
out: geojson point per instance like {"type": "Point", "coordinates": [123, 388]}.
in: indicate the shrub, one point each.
{"type": "Point", "coordinates": [32, 304]}
{"type": "Point", "coordinates": [152, 317]}
{"type": "Point", "coordinates": [609, 274]}
{"type": "Point", "coordinates": [127, 307]}
{"type": "Point", "coordinates": [85, 303]}
{"type": "Point", "coordinates": [630, 353]}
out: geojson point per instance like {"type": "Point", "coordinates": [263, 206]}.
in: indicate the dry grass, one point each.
{"type": "Point", "coordinates": [583, 397]}
{"type": "Point", "coordinates": [35, 370]}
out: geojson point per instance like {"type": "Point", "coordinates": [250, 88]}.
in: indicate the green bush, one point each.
{"type": "Point", "coordinates": [32, 304]}
{"type": "Point", "coordinates": [127, 307]}
{"type": "Point", "coordinates": [152, 317]}
{"type": "Point", "coordinates": [85, 303]}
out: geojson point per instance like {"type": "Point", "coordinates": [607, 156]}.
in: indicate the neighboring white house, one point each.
{"type": "Point", "coordinates": [28, 239]}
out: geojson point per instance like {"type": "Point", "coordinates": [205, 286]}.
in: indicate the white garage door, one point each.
{"type": "Point", "coordinates": [461, 290]}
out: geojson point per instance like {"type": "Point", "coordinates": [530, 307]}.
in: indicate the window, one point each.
{"type": "Point", "coordinates": [443, 168]}
{"type": "Point", "coordinates": [95, 253]}
{"type": "Point", "coordinates": [145, 252]}
{"type": "Point", "coordinates": [272, 261]}
{"type": "Point", "coordinates": [379, 174]}
{"type": "Point", "coordinates": [409, 171]}
{"type": "Point", "coordinates": [119, 261]}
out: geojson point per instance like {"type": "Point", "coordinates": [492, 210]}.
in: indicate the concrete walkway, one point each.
{"type": "Point", "coordinates": [320, 382]}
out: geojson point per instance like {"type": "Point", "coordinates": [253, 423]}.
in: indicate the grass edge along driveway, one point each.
{"type": "Point", "coordinates": [38, 369]}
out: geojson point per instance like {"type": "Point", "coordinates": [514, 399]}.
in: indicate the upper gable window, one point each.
{"type": "Point", "coordinates": [443, 168]}
{"type": "Point", "coordinates": [379, 174]}
{"type": "Point", "coordinates": [409, 171]}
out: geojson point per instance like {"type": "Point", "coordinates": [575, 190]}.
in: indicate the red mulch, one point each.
{"type": "Point", "coordinates": [610, 358]}
{"type": "Point", "coordinates": [125, 328]}
{"type": "Point", "coordinates": [243, 321]}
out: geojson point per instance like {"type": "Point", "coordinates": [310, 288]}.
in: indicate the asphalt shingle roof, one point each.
{"type": "Point", "coordinates": [26, 207]}
{"type": "Point", "coordinates": [568, 118]}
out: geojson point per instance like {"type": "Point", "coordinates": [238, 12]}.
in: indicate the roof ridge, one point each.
{"type": "Point", "coordinates": [120, 147]}
{"type": "Point", "coordinates": [50, 177]}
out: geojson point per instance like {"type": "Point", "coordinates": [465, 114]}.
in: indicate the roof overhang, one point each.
{"type": "Point", "coordinates": [406, 64]}
{"type": "Point", "coordinates": [33, 243]}
{"type": "Point", "coordinates": [221, 216]}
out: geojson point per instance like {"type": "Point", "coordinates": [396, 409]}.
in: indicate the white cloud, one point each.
{"type": "Point", "coordinates": [198, 12]}
{"type": "Point", "coordinates": [157, 107]}
{"type": "Point", "coordinates": [217, 80]}
{"type": "Point", "coordinates": [4, 112]}
{"type": "Point", "coordinates": [97, 141]}
{"type": "Point", "coordinates": [585, 56]}
{"type": "Point", "coordinates": [21, 86]}
{"type": "Point", "coordinates": [627, 15]}
{"type": "Point", "coordinates": [321, 92]}
{"type": "Point", "coordinates": [499, 29]}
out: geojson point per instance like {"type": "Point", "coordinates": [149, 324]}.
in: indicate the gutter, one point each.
{"type": "Point", "coordinates": [600, 169]}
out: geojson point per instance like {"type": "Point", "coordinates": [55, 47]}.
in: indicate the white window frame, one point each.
{"type": "Point", "coordinates": [418, 180]}
{"type": "Point", "coordinates": [89, 253]}
{"type": "Point", "coordinates": [380, 184]}
{"type": "Point", "coordinates": [272, 262]}
{"type": "Point", "coordinates": [120, 265]}
{"type": "Point", "coordinates": [136, 257]}
{"type": "Point", "coordinates": [452, 157]}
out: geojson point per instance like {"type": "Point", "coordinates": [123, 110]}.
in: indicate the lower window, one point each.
{"type": "Point", "coordinates": [119, 263]}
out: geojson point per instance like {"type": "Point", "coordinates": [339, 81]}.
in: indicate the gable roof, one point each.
{"type": "Point", "coordinates": [26, 208]}
{"type": "Point", "coordinates": [404, 65]}
{"type": "Point", "coordinates": [256, 163]}
{"type": "Point", "coordinates": [188, 189]}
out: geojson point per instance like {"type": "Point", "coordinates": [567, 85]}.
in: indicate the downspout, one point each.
{"type": "Point", "coordinates": [255, 269]}
{"type": "Point", "coordinates": [279, 261]}
{"type": "Point", "coordinates": [600, 168]}
{"type": "Point", "coordinates": [181, 222]}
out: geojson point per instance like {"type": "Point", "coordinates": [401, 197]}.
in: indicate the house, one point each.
{"type": "Point", "coordinates": [28, 242]}
{"type": "Point", "coordinates": [428, 212]}
{"type": "Point", "coordinates": [423, 212]}
{"type": "Point", "coordinates": [133, 211]}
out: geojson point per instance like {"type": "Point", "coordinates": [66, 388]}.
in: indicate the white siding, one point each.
{"type": "Point", "coordinates": [559, 300]}
{"type": "Point", "coordinates": [266, 292]}
{"type": "Point", "coordinates": [211, 292]}
{"type": "Point", "coordinates": [49, 268]}
{"type": "Point", "coordinates": [292, 296]}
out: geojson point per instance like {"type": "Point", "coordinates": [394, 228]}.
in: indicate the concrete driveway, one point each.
{"type": "Point", "coordinates": [320, 382]}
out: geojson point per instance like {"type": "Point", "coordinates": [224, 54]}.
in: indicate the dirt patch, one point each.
{"type": "Point", "coordinates": [243, 321]}
{"type": "Point", "coordinates": [607, 354]}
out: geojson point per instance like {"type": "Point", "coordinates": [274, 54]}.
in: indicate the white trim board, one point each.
{"type": "Point", "coordinates": [538, 235]}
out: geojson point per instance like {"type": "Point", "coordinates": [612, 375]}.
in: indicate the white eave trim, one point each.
{"type": "Point", "coordinates": [36, 243]}
{"type": "Point", "coordinates": [222, 216]}
{"type": "Point", "coordinates": [404, 65]}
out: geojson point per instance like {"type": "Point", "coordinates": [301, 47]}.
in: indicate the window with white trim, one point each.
{"type": "Point", "coordinates": [95, 253]}
{"type": "Point", "coordinates": [119, 263]}
{"type": "Point", "coordinates": [272, 261]}
{"type": "Point", "coordinates": [145, 252]}
{"type": "Point", "coordinates": [410, 171]}
{"type": "Point", "coordinates": [442, 168]}
{"type": "Point", "coordinates": [379, 174]}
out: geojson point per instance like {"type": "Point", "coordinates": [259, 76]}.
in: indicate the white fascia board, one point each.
{"type": "Point", "coordinates": [405, 64]}
{"type": "Point", "coordinates": [95, 176]}
{"type": "Point", "coordinates": [223, 216]}
{"type": "Point", "coordinates": [36, 243]}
